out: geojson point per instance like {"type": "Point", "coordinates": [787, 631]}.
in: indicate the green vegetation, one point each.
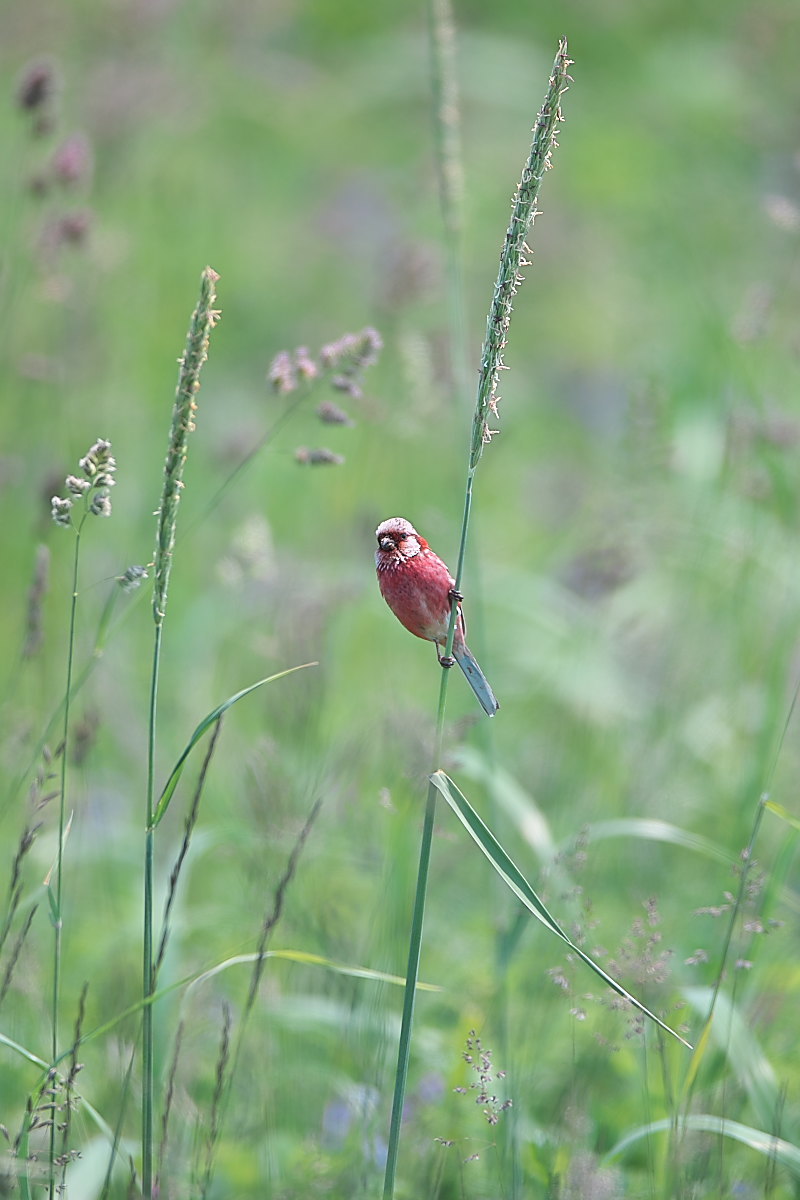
{"type": "Point", "coordinates": [631, 585]}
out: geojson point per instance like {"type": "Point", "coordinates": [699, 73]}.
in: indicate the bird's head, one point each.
{"type": "Point", "coordinates": [398, 540]}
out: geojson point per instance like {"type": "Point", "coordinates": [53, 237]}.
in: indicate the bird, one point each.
{"type": "Point", "coordinates": [420, 590]}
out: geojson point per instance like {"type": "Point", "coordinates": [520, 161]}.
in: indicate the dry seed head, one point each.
{"type": "Point", "coordinates": [281, 374]}
{"type": "Point", "coordinates": [132, 578]}
{"type": "Point", "coordinates": [37, 85]}
{"type": "Point", "coordinates": [318, 457]}
{"type": "Point", "coordinates": [99, 467]}
{"type": "Point", "coordinates": [353, 351]}
{"type": "Point", "coordinates": [330, 414]}
{"type": "Point", "coordinates": [61, 511]}
{"type": "Point", "coordinates": [304, 364]}
{"type": "Point", "coordinates": [72, 160]}
{"type": "Point", "coordinates": [480, 1060]}
{"type": "Point", "coordinates": [70, 229]}
{"type": "Point", "coordinates": [348, 385]}
{"type": "Point", "coordinates": [370, 344]}
{"type": "Point", "coordinates": [332, 352]}
{"type": "Point", "coordinates": [98, 459]}
{"type": "Point", "coordinates": [100, 505]}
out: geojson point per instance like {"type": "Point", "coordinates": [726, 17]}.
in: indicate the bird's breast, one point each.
{"type": "Point", "coordinates": [417, 591]}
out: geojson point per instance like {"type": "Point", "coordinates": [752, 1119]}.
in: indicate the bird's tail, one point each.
{"type": "Point", "coordinates": [476, 679]}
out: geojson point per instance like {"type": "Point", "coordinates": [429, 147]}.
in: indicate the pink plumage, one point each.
{"type": "Point", "coordinates": [419, 590]}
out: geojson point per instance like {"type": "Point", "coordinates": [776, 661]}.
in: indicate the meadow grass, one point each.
{"type": "Point", "coordinates": [631, 587]}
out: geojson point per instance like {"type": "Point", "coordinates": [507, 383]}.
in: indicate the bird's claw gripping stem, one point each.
{"type": "Point", "coordinates": [444, 659]}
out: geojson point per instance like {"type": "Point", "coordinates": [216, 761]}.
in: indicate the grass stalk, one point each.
{"type": "Point", "coordinates": [62, 805]}
{"type": "Point", "coordinates": [57, 892]}
{"type": "Point", "coordinates": [450, 178]}
{"type": "Point", "coordinates": [508, 280]}
{"type": "Point", "coordinates": [447, 143]}
{"type": "Point", "coordinates": [148, 971]}
{"type": "Point", "coordinates": [203, 320]}
{"type": "Point", "coordinates": [90, 492]}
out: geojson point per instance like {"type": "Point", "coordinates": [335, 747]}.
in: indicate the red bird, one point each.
{"type": "Point", "coordinates": [419, 590]}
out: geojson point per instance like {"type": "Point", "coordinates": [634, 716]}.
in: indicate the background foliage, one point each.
{"type": "Point", "coordinates": [632, 586]}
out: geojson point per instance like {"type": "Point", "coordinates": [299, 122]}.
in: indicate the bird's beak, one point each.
{"type": "Point", "coordinates": [387, 543]}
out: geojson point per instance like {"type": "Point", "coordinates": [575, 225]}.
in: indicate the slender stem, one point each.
{"type": "Point", "coordinates": [412, 969]}
{"type": "Point", "coordinates": [447, 143]}
{"type": "Point", "coordinates": [62, 808]}
{"type": "Point", "coordinates": [462, 550]}
{"type": "Point", "coordinates": [184, 412]}
{"type": "Point", "coordinates": [57, 914]}
{"type": "Point", "coordinates": [423, 869]}
{"type": "Point", "coordinates": [450, 174]}
{"type": "Point", "coordinates": [147, 970]}
{"type": "Point", "coordinates": [497, 324]}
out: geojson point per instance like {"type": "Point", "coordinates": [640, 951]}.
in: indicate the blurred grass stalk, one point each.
{"type": "Point", "coordinates": [56, 894]}
{"type": "Point", "coordinates": [450, 177]}
{"type": "Point", "coordinates": [87, 494]}
{"type": "Point", "coordinates": [203, 320]}
{"type": "Point", "coordinates": [509, 278]}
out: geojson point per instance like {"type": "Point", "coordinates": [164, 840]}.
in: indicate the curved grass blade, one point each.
{"type": "Point", "coordinates": [198, 977]}
{"type": "Point", "coordinates": [23, 1051]}
{"type": "Point", "coordinates": [783, 813]}
{"type": "Point", "coordinates": [516, 881]}
{"type": "Point", "coordinates": [652, 829]}
{"type": "Point", "coordinates": [774, 1148]}
{"type": "Point", "coordinates": [203, 727]}
{"type": "Point", "coordinates": [315, 960]}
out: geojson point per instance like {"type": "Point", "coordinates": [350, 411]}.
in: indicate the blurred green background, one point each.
{"type": "Point", "coordinates": [632, 581]}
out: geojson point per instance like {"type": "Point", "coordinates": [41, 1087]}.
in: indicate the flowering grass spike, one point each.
{"type": "Point", "coordinates": [99, 467]}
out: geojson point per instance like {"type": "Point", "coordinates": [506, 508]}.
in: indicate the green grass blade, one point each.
{"type": "Point", "coordinates": [497, 856]}
{"type": "Point", "coordinates": [516, 881]}
{"type": "Point", "coordinates": [197, 977]}
{"type": "Point", "coordinates": [21, 1050]}
{"type": "Point", "coordinates": [783, 813]}
{"type": "Point", "coordinates": [314, 960]}
{"type": "Point", "coordinates": [653, 829]}
{"type": "Point", "coordinates": [203, 727]}
{"type": "Point", "coordinates": [774, 1148]}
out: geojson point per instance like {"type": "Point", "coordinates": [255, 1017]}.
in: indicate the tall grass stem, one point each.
{"type": "Point", "coordinates": [450, 174]}
{"type": "Point", "coordinates": [56, 911]}
{"type": "Point", "coordinates": [184, 409]}
{"type": "Point", "coordinates": [497, 325]}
